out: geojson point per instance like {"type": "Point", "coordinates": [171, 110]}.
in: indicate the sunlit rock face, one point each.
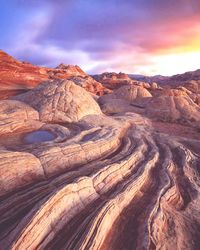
{"type": "Point", "coordinates": [124, 99]}
{"type": "Point", "coordinates": [16, 116]}
{"type": "Point", "coordinates": [18, 77]}
{"type": "Point", "coordinates": [89, 84]}
{"type": "Point", "coordinates": [130, 93]}
{"type": "Point", "coordinates": [77, 174]}
{"type": "Point", "coordinates": [179, 109]}
{"type": "Point", "coordinates": [112, 80]}
{"type": "Point", "coordinates": [60, 101]}
{"type": "Point", "coordinates": [167, 105]}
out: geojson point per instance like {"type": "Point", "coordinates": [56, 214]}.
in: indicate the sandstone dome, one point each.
{"type": "Point", "coordinates": [16, 115]}
{"type": "Point", "coordinates": [122, 99]}
{"type": "Point", "coordinates": [174, 109]}
{"type": "Point", "coordinates": [60, 101]}
{"type": "Point", "coordinates": [174, 92]}
{"type": "Point", "coordinates": [131, 92]}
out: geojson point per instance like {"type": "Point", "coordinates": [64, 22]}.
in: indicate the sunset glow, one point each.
{"type": "Point", "coordinates": [142, 37]}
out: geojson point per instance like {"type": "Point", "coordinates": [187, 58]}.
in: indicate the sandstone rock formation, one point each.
{"type": "Point", "coordinates": [71, 69]}
{"type": "Point", "coordinates": [112, 80]}
{"type": "Point", "coordinates": [16, 116]}
{"type": "Point", "coordinates": [128, 93]}
{"type": "Point", "coordinates": [17, 170]}
{"type": "Point", "coordinates": [126, 98]}
{"type": "Point", "coordinates": [126, 181]}
{"type": "Point", "coordinates": [168, 105]}
{"type": "Point", "coordinates": [174, 109]}
{"type": "Point", "coordinates": [60, 101]}
{"type": "Point", "coordinates": [188, 83]}
{"type": "Point", "coordinates": [132, 92]}
{"type": "Point", "coordinates": [17, 77]}
{"type": "Point", "coordinates": [89, 84]}
{"type": "Point", "coordinates": [116, 184]}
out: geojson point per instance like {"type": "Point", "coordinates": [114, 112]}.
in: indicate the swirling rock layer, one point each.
{"type": "Point", "coordinates": [103, 182]}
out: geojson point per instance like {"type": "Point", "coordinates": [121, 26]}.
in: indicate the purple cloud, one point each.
{"type": "Point", "coordinates": [48, 31]}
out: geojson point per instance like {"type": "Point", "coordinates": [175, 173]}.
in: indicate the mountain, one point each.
{"type": "Point", "coordinates": [148, 79]}
{"type": "Point", "coordinates": [173, 81]}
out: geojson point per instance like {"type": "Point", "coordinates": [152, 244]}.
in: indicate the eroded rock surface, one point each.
{"type": "Point", "coordinates": [174, 109]}
{"type": "Point", "coordinates": [126, 181]}
{"type": "Point", "coordinates": [131, 92]}
{"type": "Point", "coordinates": [60, 101]}
{"type": "Point", "coordinates": [16, 116]}
{"type": "Point", "coordinates": [112, 80]}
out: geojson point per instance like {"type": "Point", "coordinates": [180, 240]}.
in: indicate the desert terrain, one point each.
{"type": "Point", "coordinates": [108, 161]}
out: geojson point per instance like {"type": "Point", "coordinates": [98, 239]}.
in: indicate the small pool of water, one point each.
{"type": "Point", "coordinates": [39, 136]}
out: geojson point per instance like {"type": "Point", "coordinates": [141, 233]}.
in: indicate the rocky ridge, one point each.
{"type": "Point", "coordinates": [172, 81]}
{"type": "Point", "coordinates": [18, 77]}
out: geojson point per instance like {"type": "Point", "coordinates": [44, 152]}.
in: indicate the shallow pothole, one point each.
{"type": "Point", "coordinates": [39, 136]}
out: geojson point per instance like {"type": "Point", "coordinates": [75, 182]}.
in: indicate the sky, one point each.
{"type": "Point", "coordinates": [147, 37]}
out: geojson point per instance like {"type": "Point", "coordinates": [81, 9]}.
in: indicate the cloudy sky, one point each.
{"type": "Point", "coordinates": [133, 36]}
